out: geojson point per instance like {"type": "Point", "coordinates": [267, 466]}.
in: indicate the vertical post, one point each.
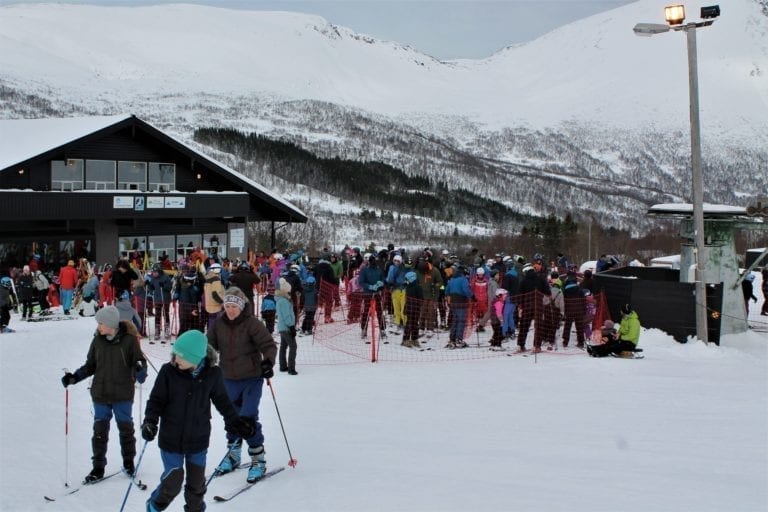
{"type": "Point", "coordinates": [698, 184]}
{"type": "Point", "coordinates": [371, 312]}
{"type": "Point", "coordinates": [66, 437]}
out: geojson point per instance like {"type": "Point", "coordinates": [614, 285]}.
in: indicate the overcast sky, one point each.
{"type": "Point", "coordinates": [446, 29]}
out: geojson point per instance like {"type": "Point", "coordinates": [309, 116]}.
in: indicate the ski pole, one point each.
{"type": "Point", "coordinates": [292, 462]}
{"type": "Point", "coordinates": [66, 437]}
{"type": "Point", "coordinates": [135, 472]}
{"type": "Point", "coordinates": [149, 362]}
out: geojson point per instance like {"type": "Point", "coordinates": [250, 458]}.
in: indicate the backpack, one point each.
{"type": "Point", "coordinates": [41, 283]}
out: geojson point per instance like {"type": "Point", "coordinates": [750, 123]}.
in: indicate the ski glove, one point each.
{"type": "Point", "coordinates": [292, 330]}
{"type": "Point", "coordinates": [68, 379]}
{"type": "Point", "coordinates": [266, 369]}
{"type": "Point", "coordinates": [243, 427]}
{"type": "Point", "coordinates": [148, 430]}
{"type": "Point", "coordinates": [141, 372]}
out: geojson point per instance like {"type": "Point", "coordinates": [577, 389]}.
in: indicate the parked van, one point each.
{"type": "Point", "coordinates": [672, 262]}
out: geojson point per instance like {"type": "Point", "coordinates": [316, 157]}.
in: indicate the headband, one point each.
{"type": "Point", "coordinates": [234, 299]}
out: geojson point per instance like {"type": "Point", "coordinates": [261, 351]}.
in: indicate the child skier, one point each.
{"type": "Point", "coordinates": [309, 296]}
{"type": "Point", "coordinates": [286, 326]}
{"type": "Point", "coordinates": [181, 402]}
{"type": "Point", "coordinates": [127, 311]}
{"type": "Point", "coordinates": [115, 361]}
{"type": "Point", "coordinates": [268, 308]}
{"type": "Point", "coordinates": [497, 313]}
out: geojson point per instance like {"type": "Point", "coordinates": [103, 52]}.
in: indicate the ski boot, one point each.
{"type": "Point", "coordinates": [258, 464]}
{"type": "Point", "coordinates": [95, 475]}
{"type": "Point", "coordinates": [232, 460]}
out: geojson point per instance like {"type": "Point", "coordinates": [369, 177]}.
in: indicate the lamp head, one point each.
{"type": "Point", "coordinates": [712, 11]}
{"type": "Point", "coordinates": [674, 14]}
{"type": "Point", "coordinates": [649, 29]}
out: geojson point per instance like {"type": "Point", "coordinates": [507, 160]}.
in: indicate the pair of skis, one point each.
{"type": "Point", "coordinates": [240, 490]}
{"type": "Point", "coordinates": [221, 498]}
{"type": "Point", "coordinates": [138, 483]}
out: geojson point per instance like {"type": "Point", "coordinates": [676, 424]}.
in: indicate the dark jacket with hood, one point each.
{"type": "Point", "coordinates": [113, 364]}
{"type": "Point", "coordinates": [242, 343]}
{"type": "Point", "coordinates": [120, 280]}
{"type": "Point", "coordinates": [181, 402]}
{"type": "Point", "coordinates": [245, 280]}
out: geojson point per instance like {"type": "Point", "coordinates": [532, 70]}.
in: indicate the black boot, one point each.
{"type": "Point", "coordinates": [127, 445]}
{"type": "Point", "coordinates": [95, 475]}
{"type": "Point", "coordinates": [99, 443]}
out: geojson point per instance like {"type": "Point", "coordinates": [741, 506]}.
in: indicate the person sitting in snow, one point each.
{"type": "Point", "coordinates": [625, 340]}
{"type": "Point", "coordinates": [604, 340]}
{"type": "Point", "coordinates": [86, 307]}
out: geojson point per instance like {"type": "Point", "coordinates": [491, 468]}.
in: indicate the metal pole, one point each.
{"type": "Point", "coordinates": [698, 184]}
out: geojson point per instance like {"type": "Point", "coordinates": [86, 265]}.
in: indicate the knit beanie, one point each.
{"type": "Point", "coordinates": [191, 346]}
{"type": "Point", "coordinates": [235, 295]}
{"type": "Point", "coordinates": [109, 316]}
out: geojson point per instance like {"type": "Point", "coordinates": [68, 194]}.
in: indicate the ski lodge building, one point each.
{"type": "Point", "coordinates": [105, 187]}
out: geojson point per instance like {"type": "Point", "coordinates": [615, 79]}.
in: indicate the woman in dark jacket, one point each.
{"type": "Point", "coordinates": [247, 352]}
{"type": "Point", "coordinates": [181, 402]}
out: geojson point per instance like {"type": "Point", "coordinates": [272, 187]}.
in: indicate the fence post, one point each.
{"type": "Point", "coordinates": [371, 312]}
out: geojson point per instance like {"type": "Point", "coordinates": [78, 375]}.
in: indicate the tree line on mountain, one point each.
{"type": "Point", "coordinates": [370, 183]}
{"type": "Point", "coordinates": [391, 201]}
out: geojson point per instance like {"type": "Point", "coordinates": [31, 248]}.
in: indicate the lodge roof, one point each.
{"type": "Point", "coordinates": [23, 141]}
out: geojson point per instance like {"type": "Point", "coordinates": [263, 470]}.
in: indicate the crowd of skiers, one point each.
{"type": "Point", "coordinates": [424, 292]}
{"type": "Point", "coordinates": [224, 354]}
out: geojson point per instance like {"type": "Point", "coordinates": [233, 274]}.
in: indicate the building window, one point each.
{"type": "Point", "coordinates": [99, 175]}
{"type": "Point", "coordinates": [132, 176]}
{"type": "Point", "coordinates": [216, 244]}
{"type": "Point", "coordinates": [187, 244]}
{"type": "Point", "coordinates": [133, 249]}
{"type": "Point", "coordinates": [161, 249]}
{"type": "Point", "coordinates": [67, 175]}
{"type": "Point", "coordinates": [162, 177]}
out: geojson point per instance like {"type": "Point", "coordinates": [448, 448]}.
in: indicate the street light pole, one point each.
{"type": "Point", "coordinates": [698, 183]}
{"type": "Point", "coordinates": [674, 16]}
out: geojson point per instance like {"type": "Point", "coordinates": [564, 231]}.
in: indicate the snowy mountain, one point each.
{"type": "Point", "coordinates": [547, 127]}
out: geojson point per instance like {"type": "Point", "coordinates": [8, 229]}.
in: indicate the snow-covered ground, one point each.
{"type": "Point", "coordinates": [686, 428]}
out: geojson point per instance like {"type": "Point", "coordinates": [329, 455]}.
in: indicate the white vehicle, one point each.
{"type": "Point", "coordinates": [672, 262]}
